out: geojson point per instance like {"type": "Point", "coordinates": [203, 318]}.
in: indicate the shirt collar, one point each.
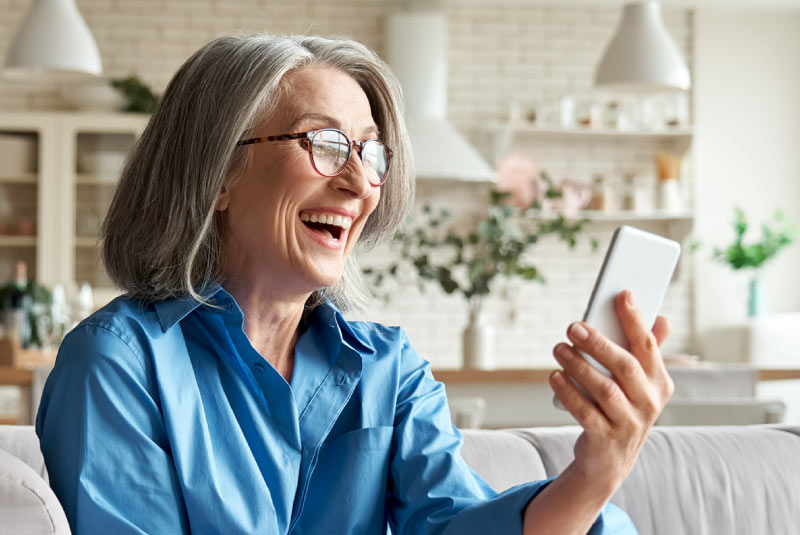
{"type": "Point", "coordinates": [350, 336]}
{"type": "Point", "coordinates": [172, 311]}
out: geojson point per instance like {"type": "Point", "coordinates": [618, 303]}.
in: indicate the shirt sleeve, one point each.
{"type": "Point", "coordinates": [103, 439]}
{"type": "Point", "coordinates": [433, 490]}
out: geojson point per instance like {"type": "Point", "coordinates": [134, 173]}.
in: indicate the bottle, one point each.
{"type": "Point", "coordinates": [17, 307]}
{"type": "Point", "coordinates": [85, 301]}
{"type": "Point", "coordinates": [611, 115]}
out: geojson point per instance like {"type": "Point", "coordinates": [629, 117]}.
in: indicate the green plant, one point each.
{"type": "Point", "coordinates": [739, 255]}
{"type": "Point", "coordinates": [40, 299]}
{"type": "Point", "coordinates": [140, 97]}
{"type": "Point", "coordinates": [467, 261]}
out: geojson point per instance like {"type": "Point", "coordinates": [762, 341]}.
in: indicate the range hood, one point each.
{"type": "Point", "coordinates": [417, 52]}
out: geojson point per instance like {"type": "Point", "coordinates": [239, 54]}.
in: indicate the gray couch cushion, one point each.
{"type": "Point", "coordinates": [501, 458]}
{"type": "Point", "coordinates": [29, 507]}
{"type": "Point", "coordinates": [21, 442]}
{"type": "Point", "coordinates": [702, 480]}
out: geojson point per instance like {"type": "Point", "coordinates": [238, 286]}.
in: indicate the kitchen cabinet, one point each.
{"type": "Point", "coordinates": [78, 159]}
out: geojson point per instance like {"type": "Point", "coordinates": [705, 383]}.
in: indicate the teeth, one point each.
{"type": "Point", "coordinates": [327, 219]}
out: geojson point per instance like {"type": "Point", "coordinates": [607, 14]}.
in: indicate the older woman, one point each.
{"type": "Point", "coordinates": [225, 392]}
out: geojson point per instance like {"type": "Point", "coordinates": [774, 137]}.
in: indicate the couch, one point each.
{"type": "Point", "coordinates": [688, 480]}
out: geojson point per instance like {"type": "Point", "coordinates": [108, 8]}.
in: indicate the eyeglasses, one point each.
{"type": "Point", "coordinates": [330, 151]}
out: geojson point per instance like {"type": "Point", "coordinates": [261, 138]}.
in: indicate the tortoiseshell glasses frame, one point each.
{"type": "Point", "coordinates": [330, 150]}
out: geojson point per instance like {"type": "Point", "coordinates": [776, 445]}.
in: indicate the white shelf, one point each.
{"type": "Point", "coordinates": [587, 132]}
{"type": "Point", "coordinates": [620, 216]}
{"type": "Point", "coordinates": [17, 241]}
{"type": "Point", "coordinates": [507, 135]}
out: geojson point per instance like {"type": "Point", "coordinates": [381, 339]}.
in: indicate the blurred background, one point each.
{"type": "Point", "coordinates": [525, 96]}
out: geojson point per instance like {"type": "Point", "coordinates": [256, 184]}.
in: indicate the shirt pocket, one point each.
{"type": "Point", "coordinates": [347, 491]}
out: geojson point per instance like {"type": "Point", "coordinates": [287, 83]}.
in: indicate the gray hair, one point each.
{"type": "Point", "coordinates": [162, 237]}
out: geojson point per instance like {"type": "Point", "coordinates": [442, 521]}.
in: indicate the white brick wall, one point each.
{"type": "Point", "coordinates": [498, 53]}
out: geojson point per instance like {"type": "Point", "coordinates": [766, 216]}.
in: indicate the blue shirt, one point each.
{"type": "Point", "coordinates": [163, 419]}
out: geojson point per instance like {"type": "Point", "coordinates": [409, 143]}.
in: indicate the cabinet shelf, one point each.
{"type": "Point", "coordinates": [19, 179]}
{"type": "Point", "coordinates": [94, 179]}
{"type": "Point", "coordinates": [17, 241]}
{"type": "Point", "coordinates": [86, 241]}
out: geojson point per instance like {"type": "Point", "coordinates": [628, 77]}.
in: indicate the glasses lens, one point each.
{"type": "Point", "coordinates": [330, 150]}
{"type": "Point", "coordinates": [375, 158]}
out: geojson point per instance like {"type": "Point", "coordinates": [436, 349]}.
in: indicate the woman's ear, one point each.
{"type": "Point", "coordinates": [224, 199]}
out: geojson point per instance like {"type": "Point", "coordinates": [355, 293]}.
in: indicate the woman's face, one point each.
{"type": "Point", "coordinates": [269, 236]}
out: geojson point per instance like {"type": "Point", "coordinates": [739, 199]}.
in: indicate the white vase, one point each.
{"type": "Point", "coordinates": [478, 342]}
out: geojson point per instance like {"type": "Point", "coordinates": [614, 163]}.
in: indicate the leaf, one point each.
{"type": "Point", "coordinates": [497, 197]}
{"type": "Point", "coordinates": [528, 272]}
{"type": "Point", "coordinates": [446, 281]}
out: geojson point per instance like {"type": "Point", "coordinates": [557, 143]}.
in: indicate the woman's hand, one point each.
{"type": "Point", "coordinates": [627, 403]}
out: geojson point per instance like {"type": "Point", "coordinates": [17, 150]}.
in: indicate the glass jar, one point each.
{"type": "Point", "coordinates": [602, 193]}
{"type": "Point", "coordinates": [635, 197]}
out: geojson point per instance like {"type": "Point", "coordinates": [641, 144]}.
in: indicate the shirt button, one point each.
{"type": "Point", "coordinates": [259, 367]}
{"type": "Point", "coordinates": [342, 379]}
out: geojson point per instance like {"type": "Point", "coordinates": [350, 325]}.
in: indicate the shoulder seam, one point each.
{"type": "Point", "coordinates": [116, 332]}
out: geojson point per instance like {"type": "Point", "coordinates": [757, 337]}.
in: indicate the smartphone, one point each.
{"type": "Point", "coordinates": [638, 261]}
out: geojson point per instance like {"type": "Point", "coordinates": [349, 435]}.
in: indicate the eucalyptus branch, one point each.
{"type": "Point", "coordinates": [466, 262]}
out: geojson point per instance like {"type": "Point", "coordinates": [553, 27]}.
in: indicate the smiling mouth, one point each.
{"type": "Point", "coordinates": [330, 226]}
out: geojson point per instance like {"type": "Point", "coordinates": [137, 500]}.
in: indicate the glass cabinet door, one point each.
{"type": "Point", "coordinates": [19, 187]}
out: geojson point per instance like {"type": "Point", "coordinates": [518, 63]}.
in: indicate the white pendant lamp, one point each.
{"type": "Point", "coordinates": [53, 38]}
{"type": "Point", "coordinates": [641, 56]}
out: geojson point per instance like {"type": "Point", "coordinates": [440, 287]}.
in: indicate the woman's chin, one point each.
{"type": "Point", "coordinates": [325, 278]}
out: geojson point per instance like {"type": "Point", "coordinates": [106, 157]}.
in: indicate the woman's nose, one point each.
{"type": "Point", "coordinates": [353, 179]}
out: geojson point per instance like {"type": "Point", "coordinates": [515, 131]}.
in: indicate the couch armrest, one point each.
{"type": "Point", "coordinates": [701, 480]}
{"type": "Point", "coordinates": [27, 505]}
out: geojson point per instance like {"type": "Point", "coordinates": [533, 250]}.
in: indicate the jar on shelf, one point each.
{"type": "Point", "coordinates": [676, 110]}
{"type": "Point", "coordinates": [602, 193]}
{"type": "Point", "coordinates": [635, 197]}
{"type": "Point", "coordinates": [611, 115]}
{"type": "Point", "coordinates": [588, 113]}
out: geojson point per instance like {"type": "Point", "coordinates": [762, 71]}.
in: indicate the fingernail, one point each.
{"type": "Point", "coordinates": [558, 377]}
{"type": "Point", "coordinates": [562, 352]}
{"type": "Point", "coordinates": [629, 298]}
{"type": "Point", "coordinates": [578, 332]}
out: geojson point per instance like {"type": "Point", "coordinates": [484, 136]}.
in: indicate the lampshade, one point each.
{"type": "Point", "coordinates": [53, 38]}
{"type": "Point", "coordinates": [641, 56]}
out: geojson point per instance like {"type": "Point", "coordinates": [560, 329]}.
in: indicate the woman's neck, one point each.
{"type": "Point", "coordinates": [271, 322]}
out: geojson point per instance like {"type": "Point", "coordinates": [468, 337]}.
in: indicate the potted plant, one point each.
{"type": "Point", "coordinates": [752, 256]}
{"type": "Point", "coordinates": [468, 260]}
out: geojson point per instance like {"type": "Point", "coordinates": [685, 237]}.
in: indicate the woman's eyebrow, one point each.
{"type": "Point", "coordinates": [330, 121]}
{"type": "Point", "coordinates": [327, 119]}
